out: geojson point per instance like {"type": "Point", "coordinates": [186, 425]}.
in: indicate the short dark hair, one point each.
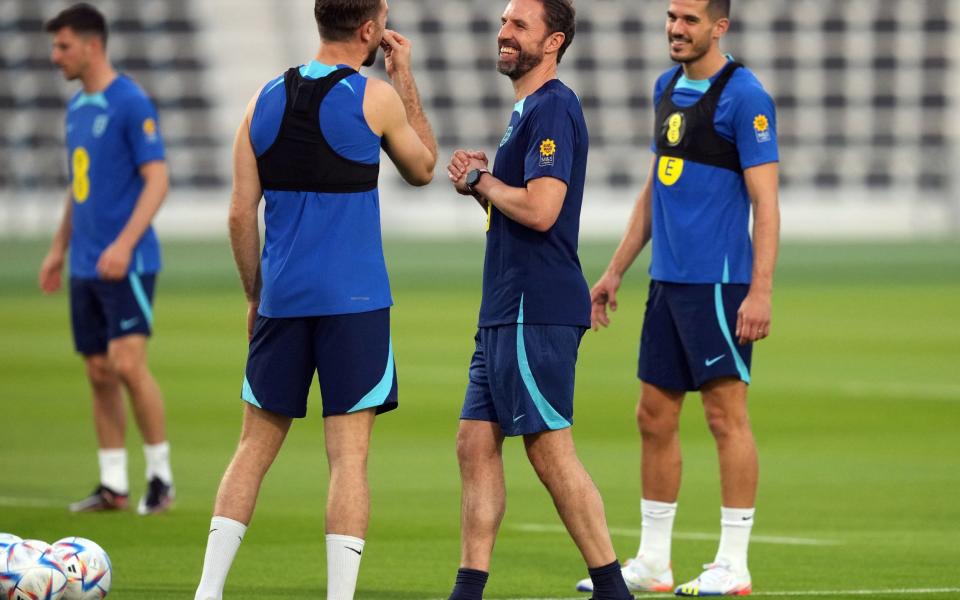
{"type": "Point", "coordinates": [83, 18]}
{"type": "Point", "coordinates": [560, 16]}
{"type": "Point", "coordinates": [718, 9]}
{"type": "Point", "coordinates": [338, 20]}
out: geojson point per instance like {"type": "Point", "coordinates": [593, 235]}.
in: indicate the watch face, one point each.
{"type": "Point", "coordinates": [473, 177]}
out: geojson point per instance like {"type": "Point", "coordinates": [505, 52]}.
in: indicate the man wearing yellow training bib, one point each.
{"type": "Point", "coordinates": [716, 157]}
{"type": "Point", "coordinates": [118, 179]}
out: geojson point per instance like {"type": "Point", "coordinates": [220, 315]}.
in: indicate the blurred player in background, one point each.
{"type": "Point", "coordinates": [320, 299]}
{"type": "Point", "coordinates": [536, 304]}
{"type": "Point", "coordinates": [118, 182]}
{"type": "Point", "coordinates": [711, 289]}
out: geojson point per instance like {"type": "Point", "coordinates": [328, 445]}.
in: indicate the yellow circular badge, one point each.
{"type": "Point", "coordinates": [150, 127]}
{"type": "Point", "coordinates": [548, 148]}
{"type": "Point", "coordinates": [761, 123]}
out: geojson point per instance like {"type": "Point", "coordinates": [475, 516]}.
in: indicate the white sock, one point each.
{"type": "Point", "coordinates": [113, 469]}
{"type": "Point", "coordinates": [343, 565]}
{"type": "Point", "coordinates": [735, 526]}
{"type": "Point", "coordinates": [222, 544]}
{"type": "Point", "coordinates": [655, 537]}
{"type": "Point", "coordinates": [158, 461]}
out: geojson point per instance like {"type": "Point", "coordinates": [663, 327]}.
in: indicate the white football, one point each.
{"type": "Point", "coordinates": [87, 568]}
{"type": "Point", "coordinates": [29, 571]}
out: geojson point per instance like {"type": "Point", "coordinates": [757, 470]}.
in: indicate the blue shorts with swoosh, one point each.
{"type": "Point", "coordinates": [102, 311]}
{"type": "Point", "coordinates": [522, 377]}
{"type": "Point", "coordinates": [689, 334]}
{"type": "Point", "coordinates": [352, 356]}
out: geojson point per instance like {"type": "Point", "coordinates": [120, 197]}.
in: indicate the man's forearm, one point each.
{"type": "Point", "coordinates": [61, 239]}
{"type": "Point", "coordinates": [148, 205]}
{"type": "Point", "coordinates": [766, 242]}
{"type": "Point", "coordinates": [636, 236]}
{"type": "Point", "coordinates": [245, 241]}
{"type": "Point", "coordinates": [406, 87]}
{"type": "Point", "coordinates": [516, 203]}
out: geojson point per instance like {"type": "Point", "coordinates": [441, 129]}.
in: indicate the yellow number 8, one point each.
{"type": "Point", "coordinates": [81, 177]}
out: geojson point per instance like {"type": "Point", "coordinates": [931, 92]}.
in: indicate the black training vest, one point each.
{"type": "Point", "coordinates": [301, 159]}
{"type": "Point", "coordinates": [689, 133]}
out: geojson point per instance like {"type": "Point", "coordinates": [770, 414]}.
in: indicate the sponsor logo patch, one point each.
{"type": "Point", "coordinates": [548, 151]}
{"type": "Point", "coordinates": [761, 126]}
{"type": "Point", "coordinates": [150, 129]}
{"type": "Point", "coordinates": [675, 127]}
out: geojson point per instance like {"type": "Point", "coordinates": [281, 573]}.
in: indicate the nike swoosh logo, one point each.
{"type": "Point", "coordinates": [359, 553]}
{"type": "Point", "coordinates": [713, 361]}
{"type": "Point", "coordinates": [129, 323]}
{"type": "Point", "coordinates": [515, 419]}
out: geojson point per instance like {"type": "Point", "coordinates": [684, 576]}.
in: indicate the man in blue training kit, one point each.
{"type": "Point", "coordinates": [319, 301]}
{"type": "Point", "coordinates": [711, 290]}
{"type": "Point", "coordinates": [535, 307]}
{"type": "Point", "coordinates": [118, 180]}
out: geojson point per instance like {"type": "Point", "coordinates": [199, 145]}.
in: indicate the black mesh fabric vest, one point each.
{"type": "Point", "coordinates": [689, 133]}
{"type": "Point", "coordinates": [301, 159]}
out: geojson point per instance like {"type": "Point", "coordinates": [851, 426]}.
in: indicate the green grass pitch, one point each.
{"type": "Point", "coordinates": [856, 408]}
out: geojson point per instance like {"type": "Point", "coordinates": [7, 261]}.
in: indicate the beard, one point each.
{"type": "Point", "coordinates": [372, 57]}
{"type": "Point", "coordinates": [524, 63]}
{"type": "Point", "coordinates": [695, 52]}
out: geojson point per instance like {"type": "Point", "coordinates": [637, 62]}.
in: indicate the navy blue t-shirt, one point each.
{"type": "Point", "coordinates": [527, 275]}
{"type": "Point", "coordinates": [110, 135]}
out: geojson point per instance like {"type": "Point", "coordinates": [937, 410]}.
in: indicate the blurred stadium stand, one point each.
{"type": "Point", "coordinates": [867, 90]}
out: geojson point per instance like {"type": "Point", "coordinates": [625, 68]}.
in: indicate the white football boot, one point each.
{"type": "Point", "coordinates": [717, 579]}
{"type": "Point", "coordinates": [639, 577]}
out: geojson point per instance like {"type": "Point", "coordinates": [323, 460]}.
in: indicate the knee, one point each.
{"type": "Point", "coordinates": [127, 367]}
{"type": "Point", "coordinates": [100, 372]}
{"type": "Point", "coordinates": [473, 451]}
{"type": "Point", "coordinates": [656, 424]}
{"type": "Point", "coordinates": [725, 424]}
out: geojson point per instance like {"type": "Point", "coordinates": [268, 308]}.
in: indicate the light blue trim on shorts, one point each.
{"type": "Point", "coordinates": [247, 394]}
{"type": "Point", "coordinates": [722, 321]}
{"type": "Point", "coordinates": [550, 416]}
{"type": "Point", "coordinates": [142, 299]}
{"type": "Point", "coordinates": [379, 394]}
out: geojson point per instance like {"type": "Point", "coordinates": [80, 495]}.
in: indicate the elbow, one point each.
{"type": "Point", "coordinates": [422, 178]}
{"type": "Point", "coordinates": [543, 223]}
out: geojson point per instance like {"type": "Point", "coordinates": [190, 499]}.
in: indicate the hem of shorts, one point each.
{"type": "Point", "coordinates": [666, 386]}
{"type": "Point", "coordinates": [333, 312]}
{"type": "Point", "coordinates": [720, 376]}
{"type": "Point", "coordinates": [378, 410]}
{"type": "Point", "coordinates": [274, 411]}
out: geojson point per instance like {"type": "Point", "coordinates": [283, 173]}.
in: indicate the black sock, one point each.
{"type": "Point", "coordinates": [470, 584]}
{"type": "Point", "coordinates": [608, 583]}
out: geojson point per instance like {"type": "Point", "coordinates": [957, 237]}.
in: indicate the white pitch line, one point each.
{"type": "Point", "coordinates": [621, 531]}
{"type": "Point", "coordinates": [29, 502]}
{"type": "Point", "coordinates": [802, 593]}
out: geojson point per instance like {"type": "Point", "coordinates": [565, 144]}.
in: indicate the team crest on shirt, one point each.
{"type": "Point", "coordinates": [100, 125]}
{"type": "Point", "coordinates": [675, 126]}
{"type": "Point", "coordinates": [548, 151]}
{"type": "Point", "coordinates": [761, 126]}
{"type": "Point", "coordinates": [506, 136]}
{"type": "Point", "coordinates": [150, 129]}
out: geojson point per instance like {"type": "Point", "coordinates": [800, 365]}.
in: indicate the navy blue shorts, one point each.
{"type": "Point", "coordinates": [101, 311]}
{"type": "Point", "coordinates": [352, 356]}
{"type": "Point", "coordinates": [522, 377]}
{"type": "Point", "coordinates": [688, 335]}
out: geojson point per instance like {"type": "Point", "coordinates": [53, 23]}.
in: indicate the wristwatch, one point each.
{"type": "Point", "coordinates": [473, 177]}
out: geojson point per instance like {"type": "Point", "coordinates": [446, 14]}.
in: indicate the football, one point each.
{"type": "Point", "coordinates": [29, 571]}
{"type": "Point", "coordinates": [87, 568]}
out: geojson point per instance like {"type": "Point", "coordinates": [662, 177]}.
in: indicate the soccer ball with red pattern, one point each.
{"type": "Point", "coordinates": [29, 571]}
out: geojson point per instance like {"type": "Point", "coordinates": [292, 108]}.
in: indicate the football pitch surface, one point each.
{"type": "Point", "coordinates": [855, 406]}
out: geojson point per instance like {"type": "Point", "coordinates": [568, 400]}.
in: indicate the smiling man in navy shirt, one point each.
{"type": "Point", "coordinates": [536, 304]}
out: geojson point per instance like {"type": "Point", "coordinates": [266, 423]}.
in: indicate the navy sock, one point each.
{"type": "Point", "coordinates": [470, 584]}
{"type": "Point", "coordinates": [608, 583]}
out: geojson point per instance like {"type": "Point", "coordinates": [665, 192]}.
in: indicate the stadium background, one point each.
{"type": "Point", "coordinates": [857, 398]}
